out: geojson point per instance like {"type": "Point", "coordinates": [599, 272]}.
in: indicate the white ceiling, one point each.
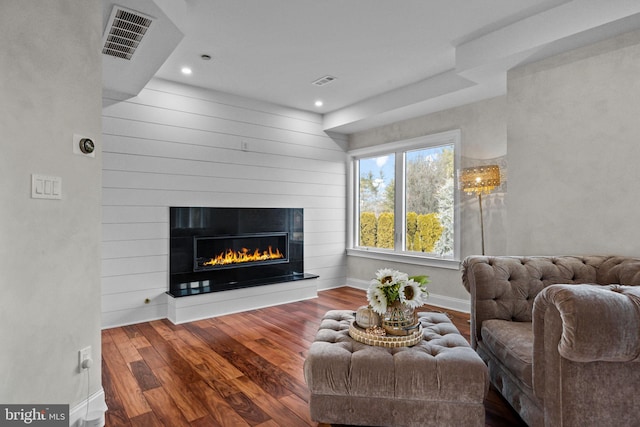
{"type": "Point", "coordinates": [392, 59]}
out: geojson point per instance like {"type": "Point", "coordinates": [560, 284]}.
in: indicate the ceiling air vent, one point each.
{"type": "Point", "coordinates": [124, 32]}
{"type": "Point", "coordinates": [324, 80]}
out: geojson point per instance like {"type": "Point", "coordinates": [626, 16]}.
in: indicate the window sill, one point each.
{"type": "Point", "coordinates": [451, 264]}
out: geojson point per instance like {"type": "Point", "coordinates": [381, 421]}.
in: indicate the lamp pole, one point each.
{"type": "Point", "coordinates": [481, 221]}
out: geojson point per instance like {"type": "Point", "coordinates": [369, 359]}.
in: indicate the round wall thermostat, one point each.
{"type": "Point", "coordinates": [87, 146]}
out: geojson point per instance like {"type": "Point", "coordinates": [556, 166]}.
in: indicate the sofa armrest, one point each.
{"type": "Point", "coordinates": [584, 323]}
{"type": "Point", "coordinates": [585, 353]}
{"type": "Point", "coordinates": [599, 323]}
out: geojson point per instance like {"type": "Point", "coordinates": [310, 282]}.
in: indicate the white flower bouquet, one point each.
{"type": "Point", "coordinates": [391, 285]}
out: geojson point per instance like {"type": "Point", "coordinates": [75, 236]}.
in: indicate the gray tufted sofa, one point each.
{"type": "Point", "coordinates": [439, 382]}
{"type": "Point", "coordinates": [560, 335]}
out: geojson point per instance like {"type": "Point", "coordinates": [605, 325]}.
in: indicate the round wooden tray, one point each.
{"type": "Point", "coordinates": [391, 341]}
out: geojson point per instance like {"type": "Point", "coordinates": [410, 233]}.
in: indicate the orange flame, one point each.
{"type": "Point", "coordinates": [236, 257]}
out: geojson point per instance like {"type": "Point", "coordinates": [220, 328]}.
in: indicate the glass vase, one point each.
{"type": "Point", "coordinates": [399, 319]}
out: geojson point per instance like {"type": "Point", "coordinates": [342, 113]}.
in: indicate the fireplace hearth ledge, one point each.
{"type": "Point", "coordinates": [221, 287]}
{"type": "Point", "coordinates": [212, 304]}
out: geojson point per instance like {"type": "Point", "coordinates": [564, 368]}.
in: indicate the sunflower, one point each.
{"type": "Point", "coordinates": [388, 276]}
{"type": "Point", "coordinates": [411, 294]}
{"type": "Point", "coordinates": [377, 299]}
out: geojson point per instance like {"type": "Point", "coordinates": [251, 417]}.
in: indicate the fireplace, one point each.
{"type": "Point", "coordinates": [219, 249]}
{"type": "Point", "coordinates": [212, 253]}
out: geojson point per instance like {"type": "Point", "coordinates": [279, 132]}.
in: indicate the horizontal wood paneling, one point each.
{"type": "Point", "coordinates": [134, 299]}
{"type": "Point", "coordinates": [202, 168]}
{"type": "Point", "coordinates": [175, 145]}
{"type": "Point", "coordinates": [222, 110]}
{"type": "Point", "coordinates": [324, 214]}
{"type": "Point", "coordinates": [256, 154]}
{"type": "Point", "coordinates": [131, 231]}
{"type": "Point", "coordinates": [134, 282]}
{"type": "Point", "coordinates": [134, 265]}
{"type": "Point", "coordinates": [318, 238]}
{"type": "Point", "coordinates": [172, 116]}
{"type": "Point", "coordinates": [172, 182]}
{"type": "Point", "coordinates": [313, 263]}
{"type": "Point", "coordinates": [321, 226]}
{"type": "Point", "coordinates": [132, 248]}
{"type": "Point", "coordinates": [229, 100]}
{"type": "Point", "coordinates": [239, 196]}
{"type": "Point", "coordinates": [330, 277]}
{"type": "Point", "coordinates": [134, 214]}
{"type": "Point", "coordinates": [327, 249]}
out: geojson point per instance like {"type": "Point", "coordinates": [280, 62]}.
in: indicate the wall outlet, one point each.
{"type": "Point", "coordinates": [84, 358]}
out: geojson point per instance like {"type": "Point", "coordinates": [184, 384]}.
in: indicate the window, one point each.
{"type": "Point", "coordinates": [404, 201]}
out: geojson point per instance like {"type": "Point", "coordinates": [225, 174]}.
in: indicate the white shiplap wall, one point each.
{"type": "Point", "coordinates": [177, 145]}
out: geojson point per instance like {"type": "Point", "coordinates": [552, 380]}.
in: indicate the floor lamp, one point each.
{"type": "Point", "coordinates": [480, 180]}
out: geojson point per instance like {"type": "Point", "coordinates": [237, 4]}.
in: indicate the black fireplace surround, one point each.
{"type": "Point", "coordinates": [220, 249]}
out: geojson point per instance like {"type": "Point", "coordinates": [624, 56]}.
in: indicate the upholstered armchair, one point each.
{"type": "Point", "coordinates": [560, 335]}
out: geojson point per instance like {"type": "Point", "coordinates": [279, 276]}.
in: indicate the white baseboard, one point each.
{"type": "Point", "coordinates": [442, 301]}
{"type": "Point", "coordinates": [97, 408]}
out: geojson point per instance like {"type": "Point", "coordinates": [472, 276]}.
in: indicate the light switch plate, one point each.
{"type": "Point", "coordinates": [46, 187]}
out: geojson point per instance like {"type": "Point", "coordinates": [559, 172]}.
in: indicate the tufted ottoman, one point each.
{"type": "Point", "coordinates": [439, 382]}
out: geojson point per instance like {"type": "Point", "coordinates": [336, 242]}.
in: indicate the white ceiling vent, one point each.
{"type": "Point", "coordinates": [125, 30]}
{"type": "Point", "coordinates": [324, 80]}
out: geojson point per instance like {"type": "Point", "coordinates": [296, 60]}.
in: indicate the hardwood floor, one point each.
{"type": "Point", "coordinates": [242, 369]}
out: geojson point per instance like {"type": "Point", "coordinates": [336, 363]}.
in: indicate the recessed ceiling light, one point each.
{"type": "Point", "coordinates": [318, 103]}
{"type": "Point", "coordinates": [186, 71]}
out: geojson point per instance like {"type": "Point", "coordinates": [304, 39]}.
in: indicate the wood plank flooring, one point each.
{"type": "Point", "coordinates": [243, 369]}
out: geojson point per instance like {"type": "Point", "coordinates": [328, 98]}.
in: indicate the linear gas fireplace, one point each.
{"type": "Point", "coordinates": [212, 253]}
{"type": "Point", "coordinates": [218, 249]}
